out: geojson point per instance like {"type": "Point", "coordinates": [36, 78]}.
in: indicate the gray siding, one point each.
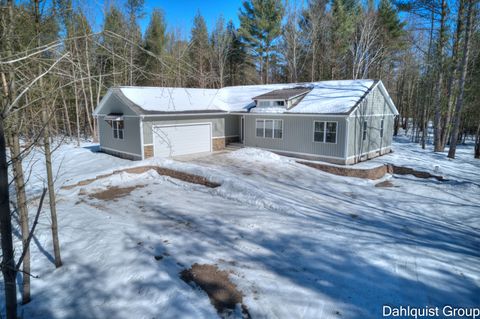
{"type": "Point", "coordinates": [222, 125]}
{"type": "Point", "coordinates": [373, 141]}
{"type": "Point", "coordinates": [372, 110]}
{"type": "Point", "coordinates": [232, 125]}
{"type": "Point", "coordinates": [297, 135]}
{"type": "Point", "coordinates": [131, 144]}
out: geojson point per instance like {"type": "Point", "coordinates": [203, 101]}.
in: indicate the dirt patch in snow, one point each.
{"type": "Point", "coordinates": [114, 192]}
{"type": "Point", "coordinates": [186, 177]}
{"type": "Point", "coordinates": [384, 184]}
{"type": "Point", "coordinates": [371, 173]}
{"type": "Point", "coordinates": [223, 294]}
{"type": "Point", "coordinates": [400, 170]}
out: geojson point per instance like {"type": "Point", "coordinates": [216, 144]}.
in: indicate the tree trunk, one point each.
{"type": "Point", "coordinates": [67, 117]}
{"type": "Point", "coordinates": [48, 155]}
{"type": "Point", "coordinates": [438, 86]}
{"type": "Point", "coordinates": [77, 109]}
{"type": "Point", "coordinates": [477, 142]}
{"type": "Point", "coordinates": [267, 66]}
{"type": "Point", "coordinates": [455, 68]}
{"type": "Point", "coordinates": [95, 136]}
{"type": "Point", "coordinates": [8, 258]}
{"type": "Point", "coordinates": [22, 209]}
{"type": "Point", "coordinates": [461, 82]}
{"type": "Point", "coordinates": [8, 262]}
{"type": "Point", "coordinates": [51, 189]}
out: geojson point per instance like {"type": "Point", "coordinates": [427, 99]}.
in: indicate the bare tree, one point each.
{"type": "Point", "coordinates": [48, 155]}
{"type": "Point", "coordinates": [439, 83]}
{"type": "Point", "coordinates": [291, 46]}
{"type": "Point", "coordinates": [221, 43]}
{"type": "Point", "coordinates": [463, 75]}
{"type": "Point", "coordinates": [365, 49]}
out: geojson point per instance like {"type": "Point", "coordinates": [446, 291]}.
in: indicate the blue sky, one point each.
{"type": "Point", "coordinates": [178, 13]}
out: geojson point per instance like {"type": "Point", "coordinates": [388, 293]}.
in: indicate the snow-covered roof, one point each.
{"type": "Point", "coordinates": [165, 99]}
{"type": "Point", "coordinates": [333, 96]}
{"type": "Point", "coordinates": [326, 97]}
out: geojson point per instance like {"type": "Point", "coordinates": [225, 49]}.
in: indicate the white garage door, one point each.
{"type": "Point", "coordinates": [172, 140]}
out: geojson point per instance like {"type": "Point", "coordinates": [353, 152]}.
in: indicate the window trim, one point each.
{"type": "Point", "coordinates": [114, 129]}
{"type": "Point", "coordinates": [273, 128]}
{"type": "Point", "coordinates": [325, 132]}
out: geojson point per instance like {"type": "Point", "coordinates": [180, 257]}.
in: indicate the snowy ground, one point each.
{"type": "Point", "coordinates": [299, 243]}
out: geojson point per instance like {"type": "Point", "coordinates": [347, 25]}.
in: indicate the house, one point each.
{"type": "Point", "coordinates": [342, 122]}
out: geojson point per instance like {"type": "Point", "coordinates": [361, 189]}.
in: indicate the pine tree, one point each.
{"type": "Point", "coordinates": [260, 26]}
{"type": "Point", "coordinates": [342, 29]}
{"type": "Point", "coordinates": [237, 63]}
{"type": "Point", "coordinates": [199, 52]}
{"type": "Point", "coordinates": [134, 11]}
{"type": "Point", "coordinates": [392, 35]}
{"type": "Point", "coordinates": [115, 48]}
{"type": "Point", "coordinates": [155, 41]}
{"type": "Point", "coordinates": [390, 22]}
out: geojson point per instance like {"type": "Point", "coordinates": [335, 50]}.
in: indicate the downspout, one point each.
{"type": "Point", "coordinates": [141, 137]}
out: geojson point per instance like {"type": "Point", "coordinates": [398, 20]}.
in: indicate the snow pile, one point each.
{"type": "Point", "coordinates": [256, 154]}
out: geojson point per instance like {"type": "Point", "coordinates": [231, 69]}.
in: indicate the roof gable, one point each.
{"type": "Point", "coordinates": [381, 88]}
{"type": "Point", "coordinates": [113, 102]}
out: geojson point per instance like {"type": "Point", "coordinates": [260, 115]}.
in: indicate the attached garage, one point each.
{"type": "Point", "coordinates": [181, 139]}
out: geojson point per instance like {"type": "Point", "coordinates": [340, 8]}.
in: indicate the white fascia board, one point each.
{"type": "Point", "coordinates": [266, 114]}
{"type": "Point", "coordinates": [388, 98]}
{"type": "Point", "coordinates": [181, 114]}
{"type": "Point", "coordinates": [385, 94]}
{"type": "Point", "coordinates": [97, 110]}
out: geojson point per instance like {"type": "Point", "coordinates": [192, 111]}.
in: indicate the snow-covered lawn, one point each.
{"type": "Point", "coordinates": [298, 242]}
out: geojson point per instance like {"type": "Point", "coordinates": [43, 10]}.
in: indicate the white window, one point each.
{"type": "Point", "coordinates": [319, 132]}
{"type": "Point", "coordinates": [270, 103]}
{"type": "Point", "coordinates": [381, 128]}
{"type": "Point", "coordinates": [331, 132]}
{"type": "Point", "coordinates": [365, 126]}
{"type": "Point", "coordinates": [325, 132]}
{"type": "Point", "coordinates": [260, 127]}
{"type": "Point", "coordinates": [278, 103]}
{"type": "Point", "coordinates": [269, 128]}
{"type": "Point", "coordinates": [264, 103]}
{"type": "Point", "coordinates": [118, 127]}
{"type": "Point", "coordinates": [277, 129]}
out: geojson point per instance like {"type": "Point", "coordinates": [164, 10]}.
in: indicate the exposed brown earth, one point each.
{"type": "Point", "coordinates": [400, 170]}
{"type": "Point", "coordinates": [114, 192]}
{"type": "Point", "coordinates": [371, 173]}
{"type": "Point", "coordinates": [223, 294]}
{"type": "Point", "coordinates": [187, 177]}
{"type": "Point", "coordinates": [384, 184]}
